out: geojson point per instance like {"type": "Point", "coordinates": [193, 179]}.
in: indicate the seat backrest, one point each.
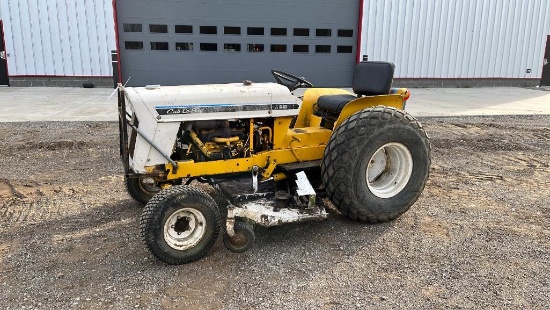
{"type": "Point", "coordinates": [372, 78]}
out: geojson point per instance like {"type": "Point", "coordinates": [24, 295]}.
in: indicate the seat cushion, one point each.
{"type": "Point", "coordinates": [333, 103]}
{"type": "Point", "coordinates": [373, 78]}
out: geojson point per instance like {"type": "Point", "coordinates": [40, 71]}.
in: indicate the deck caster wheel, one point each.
{"type": "Point", "coordinates": [243, 239]}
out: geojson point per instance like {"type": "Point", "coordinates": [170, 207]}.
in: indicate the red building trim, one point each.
{"type": "Point", "coordinates": [119, 63]}
{"type": "Point", "coordinates": [5, 50]}
{"type": "Point", "coordinates": [453, 79]}
{"type": "Point", "coordinates": [360, 30]}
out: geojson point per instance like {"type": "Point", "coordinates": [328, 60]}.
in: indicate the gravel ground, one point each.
{"type": "Point", "coordinates": [478, 237]}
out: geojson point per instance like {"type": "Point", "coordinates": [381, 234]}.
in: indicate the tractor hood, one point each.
{"type": "Point", "coordinates": [210, 102]}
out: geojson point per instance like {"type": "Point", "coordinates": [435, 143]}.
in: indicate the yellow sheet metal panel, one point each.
{"type": "Point", "coordinates": [362, 103]}
{"type": "Point", "coordinates": [281, 125]}
{"type": "Point", "coordinates": [195, 169]}
{"type": "Point", "coordinates": [306, 137]}
{"type": "Point", "coordinates": [305, 117]}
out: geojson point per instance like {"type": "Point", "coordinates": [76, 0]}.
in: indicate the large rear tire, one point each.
{"type": "Point", "coordinates": [180, 225]}
{"type": "Point", "coordinates": [376, 164]}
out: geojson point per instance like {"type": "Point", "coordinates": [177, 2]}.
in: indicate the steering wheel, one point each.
{"type": "Point", "coordinates": [290, 81]}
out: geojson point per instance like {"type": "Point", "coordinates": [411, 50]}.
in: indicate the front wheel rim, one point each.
{"type": "Point", "coordinates": [184, 229]}
{"type": "Point", "coordinates": [389, 170]}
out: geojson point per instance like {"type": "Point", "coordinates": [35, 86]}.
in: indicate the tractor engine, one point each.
{"type": "Point", "coordinates": [221, 139]}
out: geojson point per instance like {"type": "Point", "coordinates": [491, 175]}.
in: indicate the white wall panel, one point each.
{"type": "Point", "coordinates": [59, 37]}
{"type": "Point", "coordinates": [457, 39]}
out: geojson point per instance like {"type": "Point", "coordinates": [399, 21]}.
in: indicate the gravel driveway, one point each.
{"type": "Point", "coordinates": [478, 237]}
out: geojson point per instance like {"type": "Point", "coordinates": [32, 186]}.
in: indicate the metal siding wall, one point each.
{"type": "Point", "coordinates": [59, 37]}
{"type": "Point", "coordinates": [457, 39]}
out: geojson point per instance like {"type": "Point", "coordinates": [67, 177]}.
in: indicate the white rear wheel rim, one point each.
{"type": "Point", "coordinates": [389, 170]}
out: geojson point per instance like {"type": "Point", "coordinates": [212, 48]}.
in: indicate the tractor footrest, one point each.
{"type": "Point", "coordinates": [293, 167]}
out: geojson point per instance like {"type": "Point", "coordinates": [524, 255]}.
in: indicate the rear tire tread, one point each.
{"type": "Point", "coordinates": [345, 146]}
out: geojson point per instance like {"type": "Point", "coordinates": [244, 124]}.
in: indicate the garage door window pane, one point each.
{"type": "Point", "coordinates": [231, 47]}
{"type": "Point", "coordinates": [300, 48]}
{"type": "Point", "coordinates": [133, 45]}
{"type": "Point", "coordinates": [159, 46]}
{"type": "Point", "coordinates": [345, 49]}
{"type": "Point", "coordinates": [208, 30]}
{"type": "Point", "coordinates": [182, 46]}
{"type": "Point", "coordinates": [278, 31]}
{"type": "Point", "coordinates": [278, 48]}
{"type": "Point", "coordinates": [301, 32]}
{"type": "Point", "coordinates": [255, 31]}
{"type": "Point", "coordinates": [231, 30]}
{"type": "Point", "coordinates": [322, 48]}
{"type": "Point", "coordinates": [209, 47]}
{"type": "Point", "coordinates": [132, 27]}
{"type": "Point", "coordinates": [346, 33]}
{"type": "Point", "coordinates": [255, 48]}
{"type": "Point", "coordinates": [183, 29]}
{"type": "Point", "coordinates": [158, 28]}
{"type": "Point", "coordinates": [323, 32]}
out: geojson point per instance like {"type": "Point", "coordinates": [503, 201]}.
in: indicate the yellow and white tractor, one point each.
{"type": "Point", "coordinates": [275, 157]}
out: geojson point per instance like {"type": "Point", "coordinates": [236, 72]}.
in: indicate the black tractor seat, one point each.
{"type": "Point", "coordinates": [370, 78]}
{"type": "Point", "coordinates": [333, 103]}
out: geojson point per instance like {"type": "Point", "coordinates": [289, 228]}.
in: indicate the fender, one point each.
{"type": "Point", "coordinates": [396, 100]}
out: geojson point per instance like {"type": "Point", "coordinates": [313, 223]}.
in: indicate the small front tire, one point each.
{"type": "Point", "coordinates": [180, 225]}
{"type": "Point", "coordinates": [141, 189]}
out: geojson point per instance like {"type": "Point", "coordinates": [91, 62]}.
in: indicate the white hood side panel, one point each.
{"type": "Point", "coordinates": [163, 134]}
{"type": "Point", "coordinates": [215, 101]}
{"type": "Point", "coordinates": [160, 110]}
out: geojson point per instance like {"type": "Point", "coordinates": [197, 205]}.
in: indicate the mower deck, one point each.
{"type": "Point", "coordinates": [265, 212]}
{"type": "Point", "coordinates": [270, 206]}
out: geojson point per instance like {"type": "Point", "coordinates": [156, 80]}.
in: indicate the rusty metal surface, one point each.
{"type": "Point", "coordinates": [312, 164]}
{"type": "Point", "coordinates": [263, 212]}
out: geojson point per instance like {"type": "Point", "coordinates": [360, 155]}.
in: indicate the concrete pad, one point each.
{"type": "Point", "coordinates": [22, 104]}
{"type": "Point", "coordinates": [478, 101]}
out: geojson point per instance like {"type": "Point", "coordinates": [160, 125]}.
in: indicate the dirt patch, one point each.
{"type": "Point", "coordinates": [477, 238]}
